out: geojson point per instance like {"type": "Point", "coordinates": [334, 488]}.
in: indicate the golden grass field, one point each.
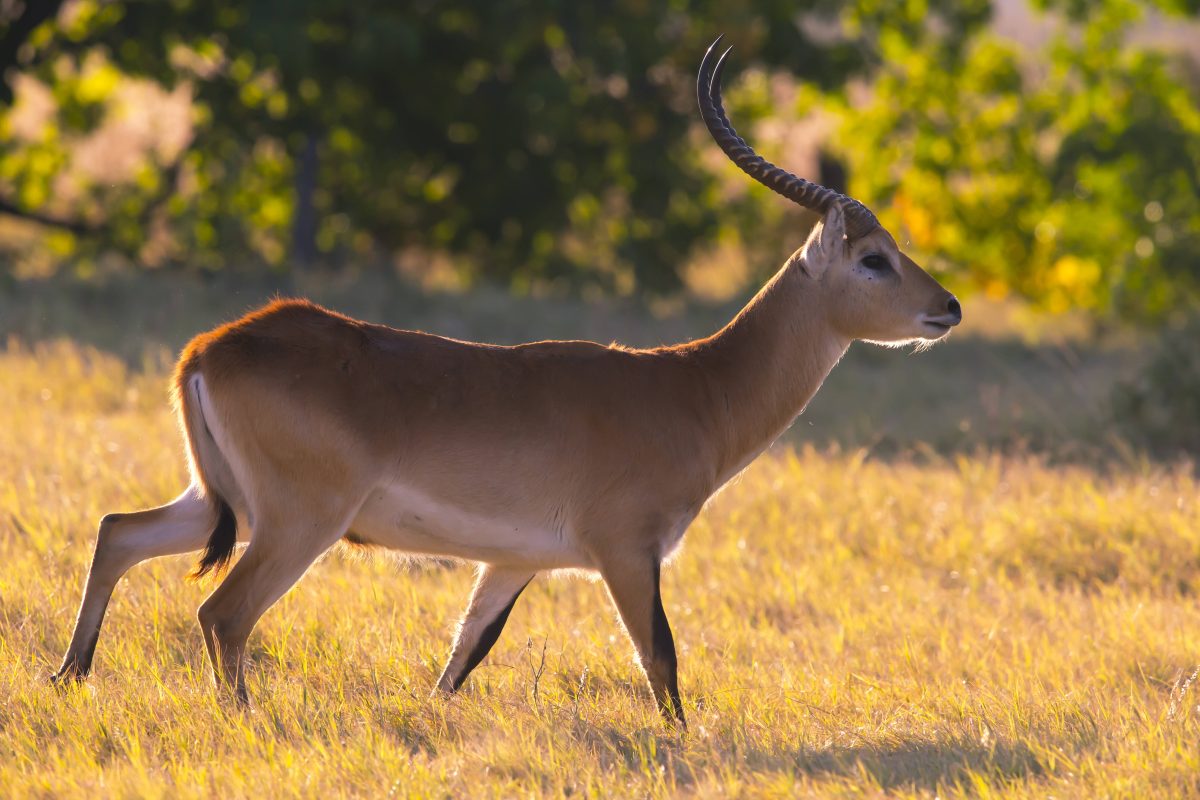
{"type": "Point", "coordinates": [848, 626]}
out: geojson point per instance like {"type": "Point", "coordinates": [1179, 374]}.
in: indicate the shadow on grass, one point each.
{"type": "Point", "coordinates": [918, 765]}
{"type": "Point", "coordinates": [922, 765]}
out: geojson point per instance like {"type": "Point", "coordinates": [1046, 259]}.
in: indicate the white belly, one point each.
{"type": "Point", "coordinates": [399, 517]}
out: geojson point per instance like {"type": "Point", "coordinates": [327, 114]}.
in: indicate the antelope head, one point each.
{"type": "Point", "coordinates": [868, 288]}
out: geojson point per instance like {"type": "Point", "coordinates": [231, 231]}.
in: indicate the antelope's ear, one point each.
{"type": "Point", "coordinates": [833, 231]}
{"type": "Point", "coordinates": [827, 242]}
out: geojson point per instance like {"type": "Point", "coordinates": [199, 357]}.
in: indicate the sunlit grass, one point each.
{"type": "Point", "coordinates": [978, 626]}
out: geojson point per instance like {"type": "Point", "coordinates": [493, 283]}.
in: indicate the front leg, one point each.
{"type": "Point", "coordinates": [633, 584]}
{"type": "Point", "coordinates": [496, 592]}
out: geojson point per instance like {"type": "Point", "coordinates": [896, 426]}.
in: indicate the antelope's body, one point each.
{"type": "Point", "coordinates": [304, 427]}
{"type": "Point", "coordinates": [524, 475]}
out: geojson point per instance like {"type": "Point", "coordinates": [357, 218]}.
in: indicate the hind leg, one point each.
{"type": "Point", "coordinates": [124, 540]}
{"type": "Point", "coordinates": [280, 552]}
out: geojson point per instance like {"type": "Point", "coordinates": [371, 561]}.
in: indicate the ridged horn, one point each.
{"type": "Point", "coordinates": [859, 219]}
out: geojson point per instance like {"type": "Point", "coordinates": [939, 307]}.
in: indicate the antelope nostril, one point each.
{"type": "Point", "coordinates": [954, 308]}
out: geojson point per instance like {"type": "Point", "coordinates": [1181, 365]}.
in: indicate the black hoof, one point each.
{"type": "Point", "coordinates": [67, 676]}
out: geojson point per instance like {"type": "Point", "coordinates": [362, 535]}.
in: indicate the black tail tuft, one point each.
{"type": "Point", "coordinates": [220, 545]}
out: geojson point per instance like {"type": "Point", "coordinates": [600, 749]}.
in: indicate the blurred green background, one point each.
{"type": "Point", "coordinates": [524, 169]}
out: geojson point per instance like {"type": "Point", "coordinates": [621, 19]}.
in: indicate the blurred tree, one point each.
{"type": "Point", "coordinates": [1069, 179]}
{"type": "Point", "coordinates": [19, 23]}
{"type": "Point", "coordinates": [547, 140]}
{"type": "Point", "coordinates": [540, 139]}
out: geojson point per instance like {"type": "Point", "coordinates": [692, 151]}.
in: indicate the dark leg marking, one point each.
{"type": "Point", "coordinates": [487, 639]}
{"type": "Point", "coordinates": [79, 667]}
{"type": "Point", "coordinates": [664, 652]}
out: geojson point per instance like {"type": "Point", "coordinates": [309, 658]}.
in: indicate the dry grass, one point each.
{"type": "Point", "coordinates": [979, 626]}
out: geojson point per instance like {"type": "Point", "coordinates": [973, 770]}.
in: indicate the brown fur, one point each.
{"type": "Point", "coordinates": [553, 454]}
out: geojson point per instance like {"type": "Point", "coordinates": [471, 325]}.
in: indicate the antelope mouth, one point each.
{"type": "Point", "coordinates": [939, 326]}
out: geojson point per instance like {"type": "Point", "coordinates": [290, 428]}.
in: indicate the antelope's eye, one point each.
{"type": "Point", "coordinates": [876, 263]}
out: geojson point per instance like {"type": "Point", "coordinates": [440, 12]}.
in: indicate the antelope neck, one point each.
{"type": "Point", "coordinates": [768, 363]}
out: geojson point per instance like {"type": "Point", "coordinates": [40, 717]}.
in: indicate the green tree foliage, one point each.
{"type": "Point", "coordinates": [545, 140]}
{"type": "Point", "coordinates": [1069, 178]}
{"type": "Point", "coordinates": [541, 139]}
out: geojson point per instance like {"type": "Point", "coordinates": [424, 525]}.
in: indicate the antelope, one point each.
{"type": "Point", "coordinates": [304, 428]}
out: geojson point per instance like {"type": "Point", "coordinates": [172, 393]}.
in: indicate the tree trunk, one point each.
{"type": "Point", "coordinates": [17, 34]}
